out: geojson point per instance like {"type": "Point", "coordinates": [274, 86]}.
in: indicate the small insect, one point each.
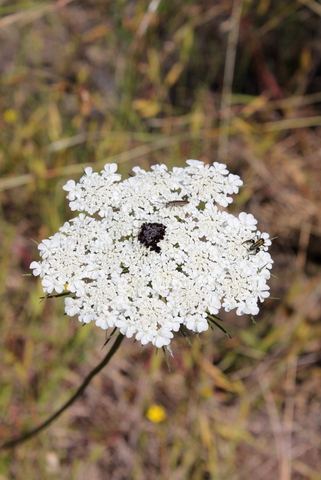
{"type": "Point", "coordinates": [176, 203]}
{"type": "Point", "coordinates": [257, 243]}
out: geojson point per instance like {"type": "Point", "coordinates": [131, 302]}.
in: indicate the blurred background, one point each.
{"type": "Point", "coordinates": [138, 83]}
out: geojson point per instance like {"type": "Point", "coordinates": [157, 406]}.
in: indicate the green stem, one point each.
{"type": "Point", "coordinates": [81, 389]}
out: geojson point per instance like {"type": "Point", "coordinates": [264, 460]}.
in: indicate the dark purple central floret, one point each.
{"type": "Point", "coordinates": [151, 234]}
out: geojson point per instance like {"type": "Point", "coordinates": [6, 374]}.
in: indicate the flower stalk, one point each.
{"type": "Point", "coordinates": [23, 438]}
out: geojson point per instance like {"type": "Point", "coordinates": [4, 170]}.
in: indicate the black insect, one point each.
{"type": "Point", "coordinates": [256, 245]}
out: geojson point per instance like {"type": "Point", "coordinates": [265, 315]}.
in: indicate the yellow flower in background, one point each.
{"type": "Point", "coordinates": [10, 115]}
{"type": "Point", "coordinates": [156, 413]}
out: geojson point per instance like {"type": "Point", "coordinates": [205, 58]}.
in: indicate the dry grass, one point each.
{"type": "Point", "coordinates": [85, 83]}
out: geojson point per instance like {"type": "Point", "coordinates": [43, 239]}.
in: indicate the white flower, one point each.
{"type": "Point", "coordinates": [234, 183]}
{"type": "Point", "coordinates": [156, 252]}
{"type": "Point", "coordinates": [110, 169]}
{"type": "Point", "coordinates": [38, 269]}
{"type": "Point", "coordinates": [50, 284]}
{"type": "Point", "coordinates": [72, 306]}
{"type": "Point", "coordinates": [48, 247]}
{"type": "Point", "coordinates": [247, 220]}
{"type": "Point", "coordinates": [162, 338]}
{"type": "Point", "coordinates": [198, 325]}
{"type": "Point", "coordinates": [144, 337]}
{"type": "Point", "coordinates": [71, 187]}
{"type": "Point", "coordinates": [196, 163]}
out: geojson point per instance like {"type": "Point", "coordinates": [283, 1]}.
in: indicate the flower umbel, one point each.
{"type": "Point", "coordinates": [156, 251]}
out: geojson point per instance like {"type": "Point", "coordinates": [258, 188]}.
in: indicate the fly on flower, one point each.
{"type": "Point", "coordinates": [176, 203]}
{"type": "Point", "coordinates": [256, 244]}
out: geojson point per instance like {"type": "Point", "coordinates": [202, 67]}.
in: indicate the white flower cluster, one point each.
{"type": "Point", "coordinates": [156, 251]}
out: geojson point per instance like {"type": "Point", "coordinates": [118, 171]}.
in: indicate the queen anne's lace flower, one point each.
{"type": "Point", "coordinates": [156, 251]}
